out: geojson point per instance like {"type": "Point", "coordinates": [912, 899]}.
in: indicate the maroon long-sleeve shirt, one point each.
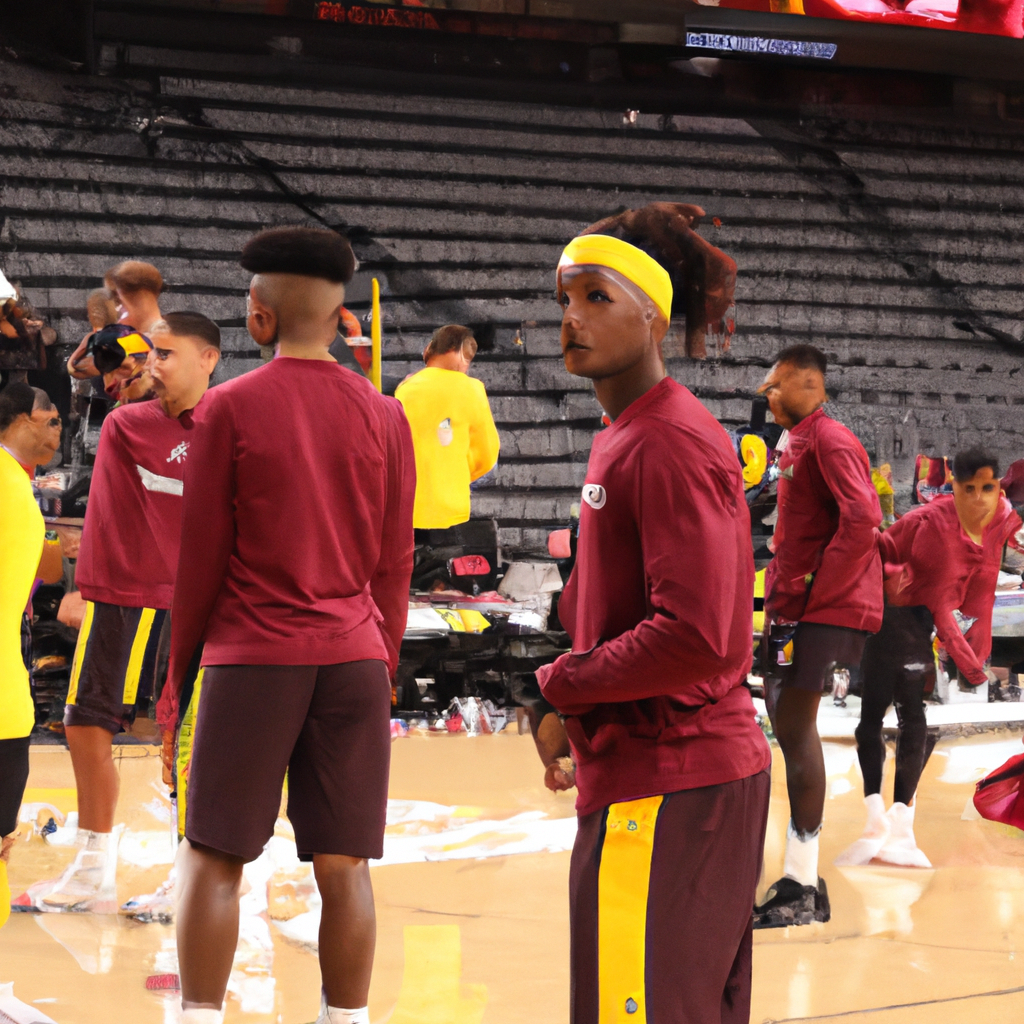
{"type": "Point", "coordinates": [659, 609]}
{"type": "Point", "coordinates": [826, 567]}
{"type": "Point", "coordinates": [931, 561]}
{"type": "Point", "coordinates": [296, 540]}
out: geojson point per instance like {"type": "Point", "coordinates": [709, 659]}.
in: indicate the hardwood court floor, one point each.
{"type": "Point", "coordinates": [484, 939]}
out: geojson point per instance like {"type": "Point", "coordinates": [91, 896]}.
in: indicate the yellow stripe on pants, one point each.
{"type": "Point", "coordinates": [181, 766]}
{"type": "Point", "coordinates": [138, 656]}
{"type": "Point", "coordinates": [622, 888]}
{"type": "Point", "coordinates": [79, 658]}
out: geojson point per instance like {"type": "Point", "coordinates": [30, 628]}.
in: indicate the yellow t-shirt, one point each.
{"type": "Point", "coordinates": [21, 545]}
{"type": "Point", "coordinates": [455, 441]}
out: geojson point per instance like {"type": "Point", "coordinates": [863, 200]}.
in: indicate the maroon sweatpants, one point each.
{"type": "Point", "coordinates": [705, 860]}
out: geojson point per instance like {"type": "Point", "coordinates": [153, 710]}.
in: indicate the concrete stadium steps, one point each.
{"type": "Point", "coordinates": [883, 241]}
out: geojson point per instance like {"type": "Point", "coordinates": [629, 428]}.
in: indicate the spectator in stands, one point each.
{"type": "Point", "coordinates": [453, 430]}
{"type": "Point", "coordinates": [24, 440]}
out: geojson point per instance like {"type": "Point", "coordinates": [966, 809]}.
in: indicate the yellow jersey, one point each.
{"type": "Point", "coordinates": [454, 439]}
{"type": "Point", "coordinates": [21, 545]}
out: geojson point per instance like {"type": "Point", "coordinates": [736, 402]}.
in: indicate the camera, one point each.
{"type": "Point", "coordinates": [111, 345]}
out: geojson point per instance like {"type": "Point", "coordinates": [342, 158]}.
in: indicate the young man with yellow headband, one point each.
{"type": "Point", "coordinates": [126, 569]}
{"type": "Point", "coordinates": [671, 767]}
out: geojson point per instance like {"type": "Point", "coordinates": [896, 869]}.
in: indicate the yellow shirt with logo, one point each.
{"type": "Point", "coordinates": [455, 442]}
{"type": "Point", "coordinates": [21, 545]}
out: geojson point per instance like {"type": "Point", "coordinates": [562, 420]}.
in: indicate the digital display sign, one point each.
{"type": "Point", "coordinates": [987, 17]}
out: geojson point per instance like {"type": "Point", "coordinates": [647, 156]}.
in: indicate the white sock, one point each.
{"type": "Point", "coordinates": [336, 1015]}
{"type": "Point", "coordinates": [202, 1016]}
{"type": "Point", "coordinates": [801, 863]}
{"type": "Point", "coordinates": [99, 841]}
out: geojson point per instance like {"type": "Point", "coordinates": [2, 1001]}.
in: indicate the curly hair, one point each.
{"type": "Point", "coordinates": [703, 277]}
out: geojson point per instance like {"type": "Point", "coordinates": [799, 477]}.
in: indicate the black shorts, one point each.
{"type": "Point", "coordinates": [817, 650]}
{"type": "Point", "coordinates": [13, 777]}
{"type": "Point", "coordinates": [327, 727]}
{"type": "Point", "coordinates": [120, 664]}
{"type": "Point", "coordinates": [660, 897]}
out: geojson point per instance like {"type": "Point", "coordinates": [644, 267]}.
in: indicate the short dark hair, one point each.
{"type": "Point", "coordinates": [450, 338]}
{"type": "Point", "coordinates": [803, 357]}
{"type": "Point", "coordinates": [134, 276]}
{"type": "Point", "coordinates": [313, 252]}
{"type": "Point", "coordinates": [187, 324]}
{"type": "Point", "coordinates": [16, 399]}
{"type": "Point", "coordinates": [42, 400]}
{"type": "Point", "coordinates": [971, 461]}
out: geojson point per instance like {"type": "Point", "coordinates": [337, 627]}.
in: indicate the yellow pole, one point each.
{"type": "Point", "coordinates": [375, 337]}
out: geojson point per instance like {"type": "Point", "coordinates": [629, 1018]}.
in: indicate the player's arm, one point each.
{"type": "Point", "coordinates": [86, 370]}
{"type": "Point", "coordinates": [484, 442]}
{"type": "Point", "coordinates": [389, 585]}
{"type": "Point", "coordinates": [853, 547]}
{"type": "Point", "coordinates": [207, 540]}
{"type": "Point", "coordinates": [51, 562]}
{"type": "Point", "coordinates": [694, 562]}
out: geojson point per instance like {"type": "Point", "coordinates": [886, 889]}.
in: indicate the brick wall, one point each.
{"type": "Point", "coordinates": [893, 245]}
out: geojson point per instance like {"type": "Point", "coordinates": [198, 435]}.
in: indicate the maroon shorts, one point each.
{"type": "Point", "coordinates": [817, 650]}
{"type": "Point", "coordinates": [328, 727]}
{"type": "Point", "coordinates": [661, 892]}
{"type": "Point", "coordinates": [119, 666]}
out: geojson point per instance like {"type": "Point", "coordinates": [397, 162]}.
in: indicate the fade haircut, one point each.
{"type": "Point", "coordinates": [134, 276]}
{"type": "Point", "coordinates": [451, 338]}
{"type": "Point", "coordinates": [970, 462]}
{"type": "Point", "coordinates": [188, 324]}
{"type": "Point", "coordinates": [42, 400]}
{"type": "Point", "coordinates": [311, 252]}
{"type": "Point", "coordinates": [16, 399]}
{"type": "Point", "coordinates": [803, 357]}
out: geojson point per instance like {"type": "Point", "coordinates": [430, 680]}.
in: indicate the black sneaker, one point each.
{"type": "Point", "coordinates": [788, 902]}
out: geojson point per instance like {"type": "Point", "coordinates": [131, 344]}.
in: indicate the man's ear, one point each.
{"type": "Point", "coordinates": [262, 323]}
{"type": "Point", "coordinates": [210, 357]}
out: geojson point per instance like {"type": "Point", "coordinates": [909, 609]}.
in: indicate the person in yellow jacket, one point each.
{"type": "Point", "coordinates": [22, 533]}
{"type": "Point", "coordinates": [453, 432]}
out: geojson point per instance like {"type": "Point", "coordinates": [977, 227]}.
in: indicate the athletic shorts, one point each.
{"type": "Point", "coordinates": [661, 892]}
{"type": "Point", "coordinates": [327, 727]}
{"type": "Point", "coordinates": [120, 664]}
{"type": "Point", "coordinates": [13, 777]}
{"type": "Point", "coordinates": [817, 650]}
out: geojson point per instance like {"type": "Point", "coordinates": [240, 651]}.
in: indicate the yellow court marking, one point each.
{"type": "Point", "coordinates": [64, 800]}
{"type": "Point", "coordinates": [432, 991]}
{"type": "Point", "coordinates": [138, 656]}
{"type": "Point", "coordinates": [623, 883]}
{"type": "Point", "coordinates": [83, 640]}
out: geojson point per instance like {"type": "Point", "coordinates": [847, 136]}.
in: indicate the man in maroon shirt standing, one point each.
{"type": "Point", "coordinates": [671, 766]}
{"type": "Point", "coordinates": [294, 574]}
{"type": "Point", "coordinates": [823, 596]}
{"type": "Point", "coordinates": [125, 572]}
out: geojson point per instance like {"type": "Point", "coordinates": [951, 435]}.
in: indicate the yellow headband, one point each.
{"type": "Point", "coordinates": [632, 263]}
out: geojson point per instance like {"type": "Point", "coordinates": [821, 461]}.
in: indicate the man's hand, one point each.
{"type": "Point", "coordinates": [560, 775]}
{"type": "Point", "coordinates": [167, 757]}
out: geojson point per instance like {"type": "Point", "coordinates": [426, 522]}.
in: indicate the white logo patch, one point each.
{"type": "Point", "coordinates": [594, 495]}
{"type": "Point", "coordinates": [178, 452]}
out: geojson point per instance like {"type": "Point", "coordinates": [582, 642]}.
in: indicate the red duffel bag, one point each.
{"type": "Point", "coordinates": [1000, 797]}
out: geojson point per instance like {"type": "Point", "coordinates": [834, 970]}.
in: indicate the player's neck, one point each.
{"type": "Point", "coordinates": [299, 349]}
{"type": "Point", "coordinates": [178, 404]}
{"type": "Point", "coordinates": [143, 314]}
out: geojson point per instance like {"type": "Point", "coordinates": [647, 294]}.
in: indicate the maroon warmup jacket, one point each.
{"type": "Point", "coordinates": [659, 610]}
{"type": "Point", "coordinates": [826, 567]}
{"type": "Point", "coordinates": [296, 539]}
{"type": "Point", "coordinates": [129, 550]}
{"type": "Point", "coordinates": [930, 561]}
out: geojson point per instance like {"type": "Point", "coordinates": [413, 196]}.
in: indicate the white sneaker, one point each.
{"type": "Point", "coordinates": [876, 834]}
{"type": "Point", "coordinates": [901, 846]}
{"type": "Point", "coordinates": [89, 881]}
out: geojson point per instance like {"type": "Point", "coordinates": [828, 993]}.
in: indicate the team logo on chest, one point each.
{"type": "Point", "coordinates": [178, 452]}
{"type": "Point", "coordinates": [594, 495]}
